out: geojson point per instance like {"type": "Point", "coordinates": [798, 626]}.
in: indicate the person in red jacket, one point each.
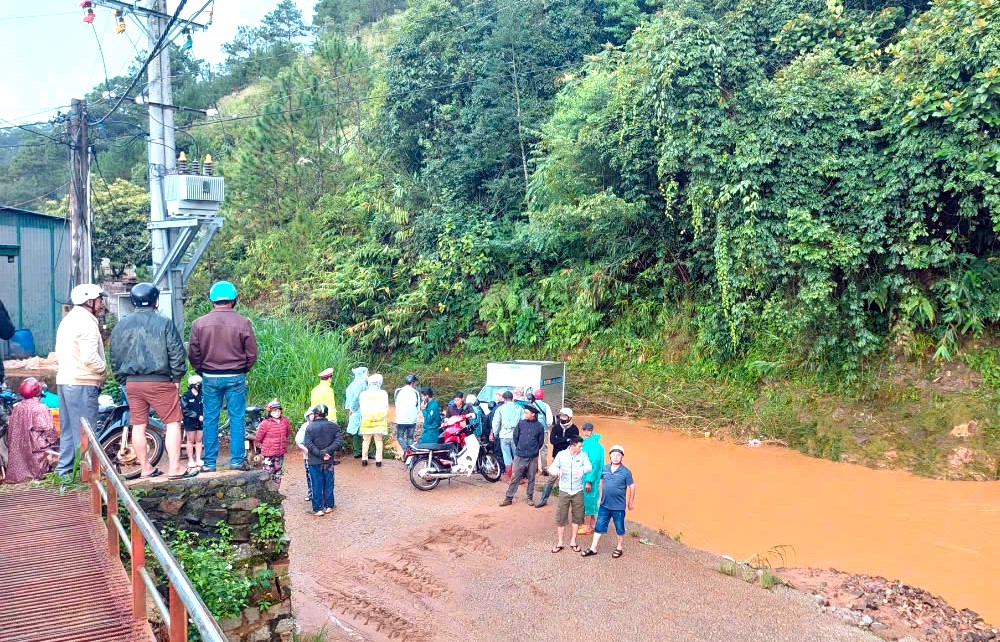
{"type": "Point", "coordinates": [272, 439]}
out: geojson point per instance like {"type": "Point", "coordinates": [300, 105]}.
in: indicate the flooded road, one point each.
{"type": "Point", "coordinates": [943, 536]}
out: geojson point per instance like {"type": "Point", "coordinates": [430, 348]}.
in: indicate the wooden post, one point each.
{"type": "Point", "coordinates": [95, 492]}
{"type": "Point", "coordinates": [79, 174]}
{"type": "Point", "coordinates": [138, 563]}
{"type": "Point", "coordinates": [178, 617]}
{"type": "Point", "coordinates": [84, 450]}
{"type": "Point", "coordinates": [113, 537]}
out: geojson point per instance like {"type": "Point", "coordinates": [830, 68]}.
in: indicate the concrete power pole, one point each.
{"type": "Point", "coordinates": [79, 203]}
{"type": "Point", "coordinates": [162, 154]}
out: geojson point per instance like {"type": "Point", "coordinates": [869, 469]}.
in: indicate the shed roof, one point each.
{"type": "Point", "coordinates": [4, 209]}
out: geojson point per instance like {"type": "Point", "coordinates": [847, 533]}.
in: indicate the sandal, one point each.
{"type": "Point", "coordinates": [575, 547]}
{"type": "Point", "coordinates": [588, 553]}
{"type": "Point", "coordinates": [188, 474]}
{"type": "Point", "coordinates": [156, 473]}
{"type": "Point", "coordinates": [618, 553]}
{"type": "Point", "coordinates": [556, 549]}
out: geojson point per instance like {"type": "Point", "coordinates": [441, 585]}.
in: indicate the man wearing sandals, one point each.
{"type": "Point", "coordinates": [569, 467]}
{"type": "Point", "coordinates": [147, 355]}
{"type": "Point", "coordinates": [616, 482]}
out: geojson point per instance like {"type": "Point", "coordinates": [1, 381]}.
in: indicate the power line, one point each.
{"type": "Point", "coordinates": [39, 15]}
{"type": "Point", "coordinates": [31, 131]}
{"type": "Point", "coordinates": [153, 52]}
{"type": "Point", "coordinates": [32, 200]}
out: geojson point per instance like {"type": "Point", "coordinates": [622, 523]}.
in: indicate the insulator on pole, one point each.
{"type": "Point", "coordinates": [182, 163]}
{"type": "Point", "coordinates": [207, 165]}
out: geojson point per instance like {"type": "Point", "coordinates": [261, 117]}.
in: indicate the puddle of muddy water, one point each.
{"type": "Point", "coordinates": [730, 499]}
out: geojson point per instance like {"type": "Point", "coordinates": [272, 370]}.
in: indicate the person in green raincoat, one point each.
{"type": "Point", "coordinates": [353, 405]}
{"type": "Point", "coordinates": [594, 450]}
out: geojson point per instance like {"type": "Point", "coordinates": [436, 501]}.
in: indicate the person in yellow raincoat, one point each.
{"type": "Point", "coordinates": [323, 392]}
{"type": "Point", "coordinates": [374, 404]}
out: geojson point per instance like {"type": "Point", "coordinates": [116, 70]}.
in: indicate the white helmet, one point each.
{"type": "Point", "coordinates": [85, 292]}
{"type": "Point", "coordinates": [471, 399]}
{"type": "Point", "coordinates": [194, 380]}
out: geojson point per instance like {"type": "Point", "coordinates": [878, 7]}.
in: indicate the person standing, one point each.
{"type": "Point", "coordinates": [407, 400]}
{"type": "Point", "coordinates": [374, 404]}
{"type": "Point", "coordinates": [351, 398]}
{"type": "Point", "coordinates": [272, 439]}
{"type": "Point", "coordinates": [300, 441]}
{"type": "Point", "coordinates": [6, 332]}
{"type": "Point", "coordinates": [616, 483]}
{"type": "Point", "coordinates": [323, 392]}
{"type": "Point", "coordinates": [193, 422]}
{"type": "Point", "coordinates": [82, 369]}
{"type": "Point", "coordinates": [594, 450]}
{"type": "Point", "coordinates": [562, 430]}
{"type": "Point", "coordinates": [322, 440]}
{"type": "Point", "coordinates": [476, 420]}
{"type": "Point", "coordinates": [506, 418]}
{"type": "Point", "coordinates": [431, 411]}
{"type": "Point", "coordinates": [569, 467]}
{"type": "Point", "coordinates": [545, 416]}
{"type": "Point", "coordinates": [31, 436]}
{"type": "Point", "coordinates": [223, 350]}
{"type": "Point", "coordinates": [147, 356]}
{"type": "Point", "coordinates": [527, 437]}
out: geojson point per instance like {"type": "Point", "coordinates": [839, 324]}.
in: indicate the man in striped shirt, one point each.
{"type": "Point", "coordinates": [569, 467]}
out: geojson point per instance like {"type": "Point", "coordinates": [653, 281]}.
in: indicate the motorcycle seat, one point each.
{"type": "Point", "coordinates": [432, 447]}
{"type": "Point", "coordinates": [255, 409]}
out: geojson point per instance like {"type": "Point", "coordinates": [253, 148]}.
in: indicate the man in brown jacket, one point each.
{"type": "Point", "coordinates": [222, 350]}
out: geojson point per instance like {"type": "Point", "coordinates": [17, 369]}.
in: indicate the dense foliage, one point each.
{"type": "Point", "coordinates": [803, 180]}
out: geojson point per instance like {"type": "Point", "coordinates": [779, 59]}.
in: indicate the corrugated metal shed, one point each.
{"type": "Point", "coordinates": [34, 272]}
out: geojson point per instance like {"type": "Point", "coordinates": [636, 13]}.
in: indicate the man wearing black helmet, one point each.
{"type": "Point", "coordinates": [147, 356]}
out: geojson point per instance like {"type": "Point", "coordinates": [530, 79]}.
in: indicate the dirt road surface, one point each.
{"type": "Point", "coordinates": [394, 563]}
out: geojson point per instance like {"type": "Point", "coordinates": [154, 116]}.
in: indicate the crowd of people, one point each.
{"type": "Point", "coordinates": [149, 360]}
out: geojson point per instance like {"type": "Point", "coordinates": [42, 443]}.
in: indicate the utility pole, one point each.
{"type": "Point", "coordinates": [79, 203]}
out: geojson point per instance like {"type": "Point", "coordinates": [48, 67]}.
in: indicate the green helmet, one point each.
{"type": "Point", "coordinates": [222, 291]}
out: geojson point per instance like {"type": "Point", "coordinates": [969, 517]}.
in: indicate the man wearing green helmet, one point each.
{"type": "Point", "coordinates": [222, 350]}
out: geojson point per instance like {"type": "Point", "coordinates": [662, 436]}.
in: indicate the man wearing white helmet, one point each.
{"type": "Point", "coordinates": [82, 368]}
{"type": "Point", "coordinates": [617, 495]}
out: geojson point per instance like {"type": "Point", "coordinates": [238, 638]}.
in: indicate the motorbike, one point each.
{"type": "Point", "coordinates": [460, 454]}
{"type": "Point", "coordinates": [114, 430]}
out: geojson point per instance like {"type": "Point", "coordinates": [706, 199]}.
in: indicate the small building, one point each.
{"type": "Point", "coordinates": [34, 273]}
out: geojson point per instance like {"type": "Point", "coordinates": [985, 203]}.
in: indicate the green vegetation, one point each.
{"type": "Point", "coordinates": [773, 219]}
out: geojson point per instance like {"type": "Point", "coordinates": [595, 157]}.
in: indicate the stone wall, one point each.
{"type": "Point", "coordinates": [202, 503]}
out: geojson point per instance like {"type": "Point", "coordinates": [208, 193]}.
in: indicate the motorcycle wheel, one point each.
{"type": "Point", "coordinates": [489, 468]}
{"type": "Point", "coordinates": [129, 467]}
{"type": "Point", "coordinates": [418, 482]}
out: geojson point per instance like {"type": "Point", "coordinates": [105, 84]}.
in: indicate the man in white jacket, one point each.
{"type": "Point", "coordinates": [82, 369]}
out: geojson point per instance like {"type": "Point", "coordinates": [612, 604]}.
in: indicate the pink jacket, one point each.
{"type": "Point", "coordinates": [272, 436]}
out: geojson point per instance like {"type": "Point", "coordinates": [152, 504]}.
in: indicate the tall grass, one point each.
{"type": "Point", "coordinates": [291, 353]}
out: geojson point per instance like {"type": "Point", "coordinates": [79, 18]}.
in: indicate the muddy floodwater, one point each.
{"type": "Point", "coordinates": [734, 500]}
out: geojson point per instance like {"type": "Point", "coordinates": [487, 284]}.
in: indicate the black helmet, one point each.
{"type": "Point", "coordinates": [410, 378]}
{"type": "Point", "coordinates": [320, 410]}
{"type": "Point", "coordinates": [144, 295]}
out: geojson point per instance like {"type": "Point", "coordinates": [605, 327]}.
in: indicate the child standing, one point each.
{"type": "Point", "coordinates": [193, 418]}
{"type": "Point", "coordinates": [300, 441]}
{"type": "Point", "coordinates": [272, 439]}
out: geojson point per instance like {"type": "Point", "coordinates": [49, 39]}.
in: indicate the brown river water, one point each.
{"type": "Point", "coordinates": [734, 500]}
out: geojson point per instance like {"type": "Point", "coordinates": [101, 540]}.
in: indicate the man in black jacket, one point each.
{"type": "Point", "coordinates": [147, 356]}
{"type": "Point", "coordinates": [6, 332]}
{"type": "Point", "coordinates": [529, 435]}
{"type": "Point", "coordinates": [323, 439]}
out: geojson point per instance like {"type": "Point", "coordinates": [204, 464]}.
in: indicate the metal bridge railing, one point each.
{"type": "Point", "coordinates": [107, 488]}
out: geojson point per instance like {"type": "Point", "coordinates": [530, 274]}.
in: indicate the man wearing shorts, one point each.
{"type": "Point", "coordinates": [569, 468]}
{"type": "Point", "coordinates": [147, 356]}
{"type": "Point", "coordinates": [616, 482]}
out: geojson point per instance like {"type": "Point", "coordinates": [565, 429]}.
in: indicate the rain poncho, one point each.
{"type": "Point", "coordinates": [374, 404]}
{"type": "Point", "coordinates": [323, 393]}
{"type": "Point", "coordinates": [431, 433]}
{"type": "Point", "coordinates": [31, 432]}
{"type": "Point", "coordinates": [594, 450]}
{"type": "Point", "coordinates": [353, 397]}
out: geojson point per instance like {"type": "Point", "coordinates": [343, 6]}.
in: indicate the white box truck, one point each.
{"type": "Point", "coordinates": [549, 376]}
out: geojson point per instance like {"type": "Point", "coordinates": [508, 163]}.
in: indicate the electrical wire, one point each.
{"type": "Point", "coordinates": [31, 131]}
{"type": "Point", "coordinates": [155, 50]}
{"type": "Point", "coordinates": [32, 200]}
{"type": "Point", "coordinates": [39, 15]}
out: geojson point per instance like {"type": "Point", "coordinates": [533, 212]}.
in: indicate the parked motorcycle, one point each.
{"type": "Point", "coordinates": [460, 454]}
{"type": "Point", "coordinates": [114, 432]}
